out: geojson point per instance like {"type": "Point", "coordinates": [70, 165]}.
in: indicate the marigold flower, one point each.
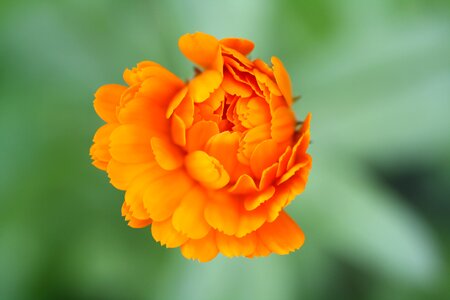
{"type": "Point", "coordinates": [210, 164]}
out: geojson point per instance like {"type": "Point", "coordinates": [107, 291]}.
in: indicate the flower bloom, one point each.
{"type": "Point", "coordinates": [210, 164]}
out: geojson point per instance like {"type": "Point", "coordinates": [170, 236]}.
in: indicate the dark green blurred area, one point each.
{"type": "Point", "coordinates": [376, 77]}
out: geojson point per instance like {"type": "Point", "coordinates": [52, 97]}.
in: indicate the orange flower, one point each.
{"type": "Point", "coordinates": [210, 164]}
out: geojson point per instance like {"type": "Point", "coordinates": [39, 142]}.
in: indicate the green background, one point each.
{"type": "Point", "coordinates": [376, 76]}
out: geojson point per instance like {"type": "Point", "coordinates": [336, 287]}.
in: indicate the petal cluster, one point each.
{"type": "Point", "coordinates": [209, 164]}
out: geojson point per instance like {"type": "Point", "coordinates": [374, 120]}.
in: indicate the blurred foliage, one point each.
{"type": "Point", "coordinates": [376, 76]}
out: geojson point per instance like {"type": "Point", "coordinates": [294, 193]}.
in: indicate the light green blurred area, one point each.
{"type": "Point", "coordinates": [376, 76]}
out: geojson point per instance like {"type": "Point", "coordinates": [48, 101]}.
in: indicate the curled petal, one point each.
{"type": "Point", "coordinates": [167, 235]}
{"type": "Point", "coordinates": [295, 168]}
{"type": "Point", "coordinates": [260, 248]}
{"type": "Point", "coordinates": [161, 202]}
{"type": "Point", "coordinates": [282, 78]}
{"type": "Point", "coordinates": [203, 250]}
{"type": "Point", "coordinates": [232, 246]}
{"type": "Point", "coordinates": [251, 221]}
{"type": "Point", "coordinates": [207, 170]}
{"type": "Point", "coordinates": [107, 99]}
{"type": "Point", "coordinates": [199, 134]}
{"type": "Point", "coordinates": [244, 185]}
{"type": "Point", "coordinates": [168, 155]}
{"type": "Point", "coordinates": [149, 69]}
{"type": "Point", "coordinates": [233, 87]}
{"type": "Point", "coordinates": [263, 67]}
{"type": "Point", "coordinates": [237, 56]}
{"type": "Point", "coordinates": [188, 218]}
{"type": "Point", "coordinates": [224, 146]}
{"type": "Point", "coordinates": [100, 149]}
{"type": "Point", "coordinates": [242, 45]}
{"type": "Point", "coordinates": [122, 174]}
{"type": "Point", "coordinates": [204, 84]}
{"type": "Point", "coordinates": [143, 112]}
{"type": "Point", "coordinates": [264, 155]}
{"type": "Point", "coordinates": [302, 143]}
{"type": "Point", "coordinates": [176, 101]}
{"type": "Point", "coordinates": [265, 82]}
{"type": "Point", "coordinates": [251, 139]}
{"type": "Point", "coordinates": [134, 222]}
{"type": "Point", "coordinates": [268, 176]}
{"type": "Point", "coordinates": [283, 161]}
{"type": "Point", "coordinates": [222, 213]}
{"type": "Point", "coordinates": [135, 193]}
{"type": "Point", "coordinates": [202, 49]}
{"type": "Point", "coordinates": [253, 201]}
{"type": "Point", "coordinates": [282, 235]}
{"type": "Point", "coordinates": [131, 144]}
{"type": "Point", "coordinates": [283, 124]}
{"type": "Point", "coordinates": [178, 131]}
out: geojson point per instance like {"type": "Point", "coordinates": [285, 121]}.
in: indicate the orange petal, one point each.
{"type": "Point", "coordinates": [178, 131]}
{"type": "Point", "coordinates": [283, 195]}
{"type": "Point", "coordinates": [251, 81]}
{"type": "Point", "coordinates": [222, 213]}
{"type": "Point", "coordinates": [281, 236]}
{"type": "Point", "coordinates": [253, 201]}
{"type": "Point", "coordinates": [176, 101]}
{"type": "Point", "coordinates": [161, 201]}
{"type": "Point", "coordinates": [135, 192]}
{"type": "Point", "coordinates": [189, 218]}
{"type": "Point", "coordinates": [235, 73]}
{"type": "Point", "coordinates": [216, 99]}
{"type": "Point", "coordinates": [164, 233]}
{"type": "Point", "coordinates": [260, 248]}
{"type": "Point", "coordinates": [283, 124]}
{"type": "Point", "coordinates": [204, 84]}
{"type": "Point", "coordinates": [290, 172]}
{"type": "Point", "coordinates": [100, 149]}
{"type": "Point", "coordinates": [302, 143]}
{"type": "Point", "coordinates": [186, 111]}
{"type": "Point", "coordinates": [131, 144]}
{"type": "Point", "coordinates": [263, 67]}
{"type": "Point", "coordinates": [199, 134]}
{"type": "Point", "coordinates": [134, 222]}
{"type": "Point", "coordinates": [107, 100]}
{"type": "Point", "coordinates": [158, 91]}
{"type": "Point", "coordinates": [251, 221]}
{"type": "Point", "coordinates": [137, 223]}
{"type": "Point", "coordinates": [250, 140]}
{"type": "Point", "coordinates": [204, 249]}
{"type": "Point", "coordinates": [298, 181]}
{"type": "Point", "coordinates": [149, 69]}
{"type": "Point", "coordinates": [253, 112]}
{"type": "Point", "coordinates": [168, 155]}
{"type": "Point", "coordinates": [202, 49]}
{"type": "Point", "coordinates": [283, 161]}
{"type": "Point", "coordinates": [268, 176]}
{"type": "Point", "coordinates": [305, 132]}
{"type": "Point", "coordinates": [264, 82]}
{"type": "Point", "coordinates": [132, 77]}
{"type": "Point", "coordinates": [206, 169]}
{"type": "Point", "coordinates": [237, 56]}
{"type": "Point", "coordinates": [122, 174]}
{"type": "Point", "coordinates": [223, 147]}
{"type": "Point", "coordinates": [242, 45]}
{"type": "Point", "coordinates": [231, 246]}
{"type": "Point", "coordinates": [233, 87]}
{"type": "Point", "coordinates": [282, 78]}
{"type": "Point", "coordinates": [264, 155]}
{"type": "Point", "coordinates": [143, 112]}
{"type": "Point", "coordinates": [244, 185]}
